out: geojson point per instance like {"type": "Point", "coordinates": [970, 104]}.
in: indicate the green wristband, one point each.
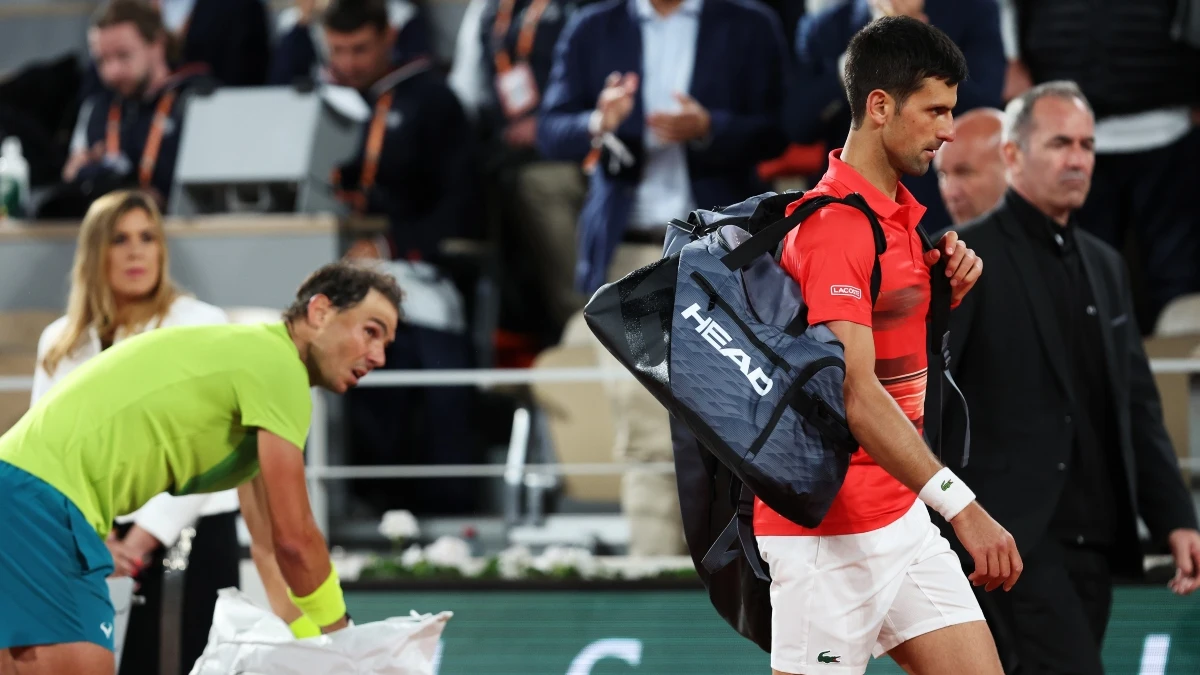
{"type": "Point", "coordinates": [325, 605]}
{"type": "Point", "coordinates": [304, 627]}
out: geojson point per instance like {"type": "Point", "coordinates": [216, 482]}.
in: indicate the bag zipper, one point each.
{"type": "Point", "coordinates": [716, 300]}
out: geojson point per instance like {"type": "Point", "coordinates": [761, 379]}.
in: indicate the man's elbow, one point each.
{"type": "Point", "coordinates": [296, 547]}
{"type": "Point", "coordinates": [856, 398]}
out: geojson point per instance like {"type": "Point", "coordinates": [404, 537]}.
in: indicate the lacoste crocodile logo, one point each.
{"type": "Point", "coordinates": [822, 658]}
{"type": "Point", "coordinates": [946, 485]}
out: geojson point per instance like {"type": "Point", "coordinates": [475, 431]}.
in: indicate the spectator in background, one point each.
{"type": "Point", "coordinates": [818, 109]}
{"type": "Point", "coordinates": [1068, 447]}
{"type": "Point", "coordinates": [231, 36]}
{"type": "Point", "coordinates": [121, 286]}
{"type": "Point", "coordinates": [128, 134]}
{"type": "Point", "coordinates": [1142, 83]}
{"type": "Point", "coordinates": [415, 165]}
{"type": "Point", "coordinates": [303, 53]}
{"type": "Point", "coordinates": [415, 168]}
{"type": "Point", "coordinates": [970, 169]}
{"type": "Point", "coordinates": [541, 198]}
{"type": "Point", "coordinates": [684, 98]}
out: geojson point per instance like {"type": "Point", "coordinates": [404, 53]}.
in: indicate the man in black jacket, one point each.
{"type": "Point", "coordinates": [128, 133]}
{"type": "Point", "coordinates": [1141, 82]}
{"type": "Point", "coordinates": [1069, 444]}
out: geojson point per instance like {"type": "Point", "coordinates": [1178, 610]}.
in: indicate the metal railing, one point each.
{"type": "Point", "coordinates": [517, 472]}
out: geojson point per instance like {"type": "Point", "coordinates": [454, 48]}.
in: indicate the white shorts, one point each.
{"type": "Point", "coordinates": [838, 600]}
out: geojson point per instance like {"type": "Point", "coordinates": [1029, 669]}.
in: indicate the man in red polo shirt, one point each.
{"type": "Point", "coordinates": [876, 576]}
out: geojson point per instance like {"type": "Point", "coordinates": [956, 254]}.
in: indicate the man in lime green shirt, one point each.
{"type": "Point", "coordinates": [180, 410]}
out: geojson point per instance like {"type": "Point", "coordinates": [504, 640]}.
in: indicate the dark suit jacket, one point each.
{"type": "Point", "coordinates": [426, 185]}
{"type": "Point", "coordinates": [744, 96]}
{"type": "Point", "coordinates": [137, 117]}
{"type": "Point", "coordinates": [1008, 356]}
{"type": "Point", "coordinates": [817, 106]}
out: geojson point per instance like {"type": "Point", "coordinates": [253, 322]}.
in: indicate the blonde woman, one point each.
{"type": "Point", "coordinates": [121, 286]}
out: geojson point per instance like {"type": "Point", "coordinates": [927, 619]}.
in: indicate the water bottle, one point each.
{"type": "Point", "coordinates": [14, 179]}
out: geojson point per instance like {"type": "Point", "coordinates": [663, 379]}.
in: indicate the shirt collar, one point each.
{"type": "Point", "coordinates": [904, 210]}
{"type": "Point", "coordinates": [1041, 227]}
{"type": "Point", "coordinates": [646, 12]}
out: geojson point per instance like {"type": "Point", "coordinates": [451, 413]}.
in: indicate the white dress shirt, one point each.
{"type": "Point", "coordinates": [668, 58]}
{"type": "Point", "coordinates": [164, 516]}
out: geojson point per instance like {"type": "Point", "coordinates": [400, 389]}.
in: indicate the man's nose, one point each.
{"type": "Point", "coordinates": [377, 358]}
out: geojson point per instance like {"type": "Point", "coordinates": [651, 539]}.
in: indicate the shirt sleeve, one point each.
{"type": "Point", "coordinates": [831, 256]}
{"type": "Point", "coordinates": [273, 394]}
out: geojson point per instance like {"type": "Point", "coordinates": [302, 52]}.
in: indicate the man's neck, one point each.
{"type": "Point", "coordinates": [1059, 216]}
{"type": "Point", "coordinates": [870, 160]}
{"type": "Point", "coordinates": [666, 7]}
{"type": "Point", "coordinates": [303, 347]}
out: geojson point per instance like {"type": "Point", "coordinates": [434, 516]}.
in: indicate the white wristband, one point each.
{"type": "Point", "coordinates": [946, 494]}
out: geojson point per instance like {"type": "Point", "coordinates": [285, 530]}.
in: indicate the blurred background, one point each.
{"type": "Point", "coordinates": [453, 141]}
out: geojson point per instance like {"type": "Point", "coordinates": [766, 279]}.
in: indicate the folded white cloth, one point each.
{"type": "Point", "coordinates": [246, 638]}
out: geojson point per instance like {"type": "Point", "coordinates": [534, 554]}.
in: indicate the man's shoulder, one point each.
{"type": "Point", "coordinates": [983, 230]}
{"type": "Point", "coordinates": [193, 79]}
{"type": "Point", "coordinates": [598, 13]}
{"type": "Point", "coordinates": [836, 214]}
{"type": "Point", "coordinates": [833, 226]}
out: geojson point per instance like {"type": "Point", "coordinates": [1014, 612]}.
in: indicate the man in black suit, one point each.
{"type": "Point", "coordinates": [1069, 445]}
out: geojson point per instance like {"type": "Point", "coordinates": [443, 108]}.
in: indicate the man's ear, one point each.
{"type": "Point", "coordinates": [879, 105]}
{"type": "Point", "coordinates": [320, 310]}
{"type": "Point", "coordinates": [1011, 152]}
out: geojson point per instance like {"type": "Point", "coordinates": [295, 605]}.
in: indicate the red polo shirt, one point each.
{"type": "Point", "coordinates": [831, 255]}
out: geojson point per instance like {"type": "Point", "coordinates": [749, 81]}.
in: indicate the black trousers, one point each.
{"type": "Point", "coordinates": [1151, 192]}
{"type": "Point", "coordinates": [212, 565]}
{"type": "Point", "coordinates": [1052, 622]}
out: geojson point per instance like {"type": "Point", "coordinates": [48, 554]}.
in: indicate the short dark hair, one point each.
{"type": "Point", "coordinates": [145, 17]}
{"type": "Point", "coordinates": [346, 284]}
{"type": "Point", "coordinates": [347, 16]}
{"type": "Point", "coordinates": [896, 54]}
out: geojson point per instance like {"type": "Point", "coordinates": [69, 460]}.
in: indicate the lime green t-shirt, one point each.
{"type": "Point", "coordinates": [172, 410]}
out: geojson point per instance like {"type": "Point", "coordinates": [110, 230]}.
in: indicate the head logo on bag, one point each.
{"type": "Point", "coordinates": [718, 337]}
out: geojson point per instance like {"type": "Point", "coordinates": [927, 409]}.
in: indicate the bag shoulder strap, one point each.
{"type": "Point", "coordinates": [769, 238]}
{"type": "Point", "coordinates": [737, 539]}
{"type": "Point", "coordinates": [940, 380]}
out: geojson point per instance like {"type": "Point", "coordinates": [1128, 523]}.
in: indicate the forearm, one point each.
{"type": "Point", "coordinates": [273, 583]}
{"type": "Point", "coordinates": [140, 542]}
{"type": "Point", "coordinates": [303, 562]}
{"type": "Point", "coordinates": [887, 435]}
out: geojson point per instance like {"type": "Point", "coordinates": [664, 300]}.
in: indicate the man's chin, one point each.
{"type": "Point", "coordinates": [339, 387]}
